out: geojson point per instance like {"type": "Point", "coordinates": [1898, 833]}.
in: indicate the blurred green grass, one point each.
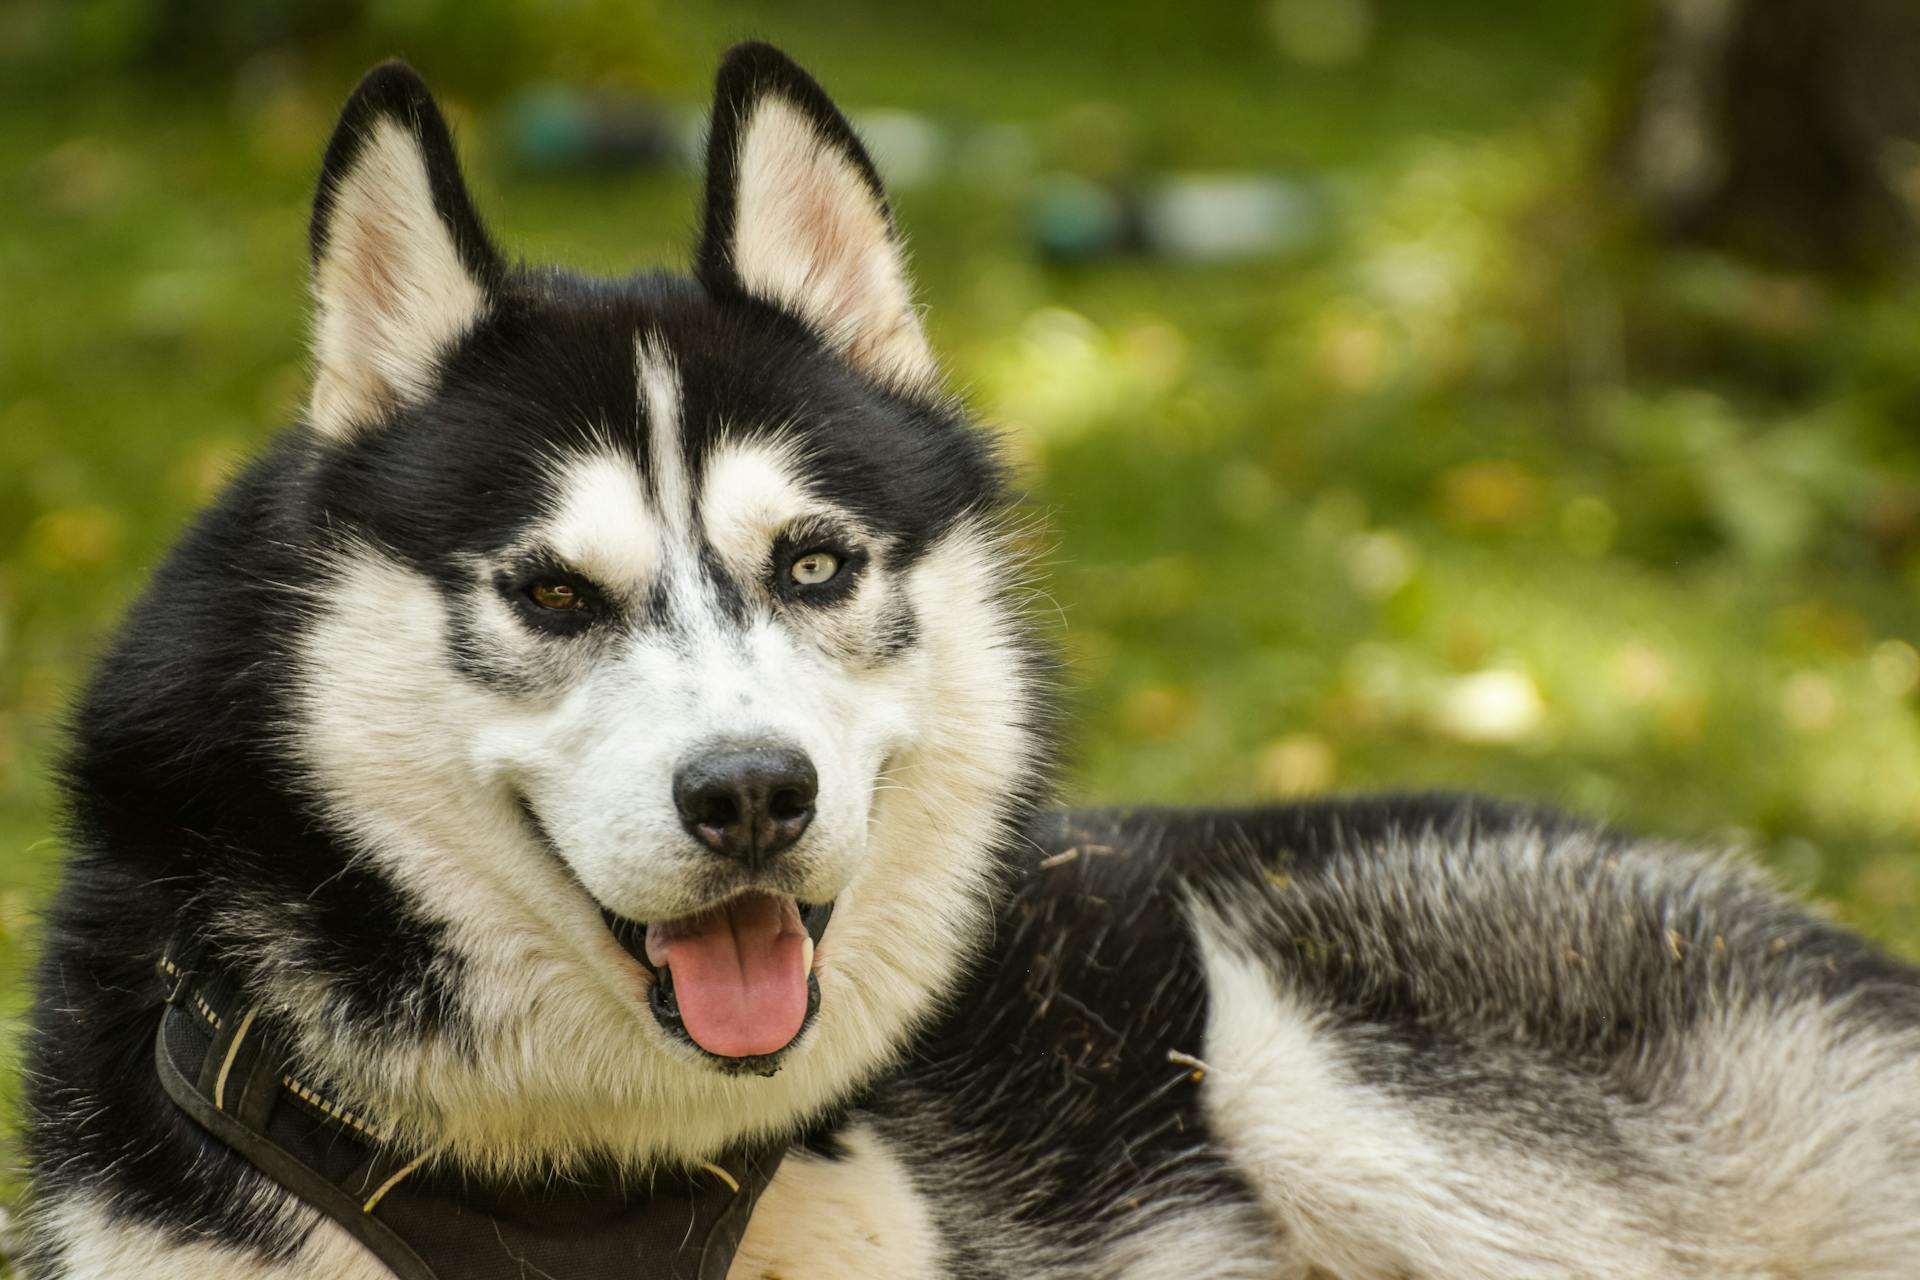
{"type": "Point", "coordinates": [1472, 492]}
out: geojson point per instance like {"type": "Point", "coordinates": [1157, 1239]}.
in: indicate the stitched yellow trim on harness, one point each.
{"type": "Point", "coordinates": [333, 1112]}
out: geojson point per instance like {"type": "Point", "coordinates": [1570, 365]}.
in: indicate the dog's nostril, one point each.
{"type": "Point", "coordinates": [746, 802]}
{"type": "Point", "coordinates": [719, 811]}
{"type": "Point", "coordinates": [786, 804]}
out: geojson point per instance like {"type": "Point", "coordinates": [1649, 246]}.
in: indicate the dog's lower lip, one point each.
{"type": "Point", "coordinates": [631, 935]}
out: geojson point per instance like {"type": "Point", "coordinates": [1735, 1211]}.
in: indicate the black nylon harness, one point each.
{"type": "Point", "coordinates": [425, 1223]}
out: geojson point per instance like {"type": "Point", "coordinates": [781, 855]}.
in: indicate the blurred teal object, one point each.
{"type": "Point", "coordinates": [1189, 217]}
{"type": "Point", "coordinates": [555, 129]}
{"type": "Point", "coordinates": [1072, 218]}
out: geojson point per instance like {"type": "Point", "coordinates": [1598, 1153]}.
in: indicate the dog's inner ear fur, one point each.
{"type": "Point", "coordinates": [391, 291]}
{"type": "Point", "coordinates": [810, 233]}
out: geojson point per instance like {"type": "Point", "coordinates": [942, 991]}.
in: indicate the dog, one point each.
{"type": "Point", "coordinates": [578, 806]}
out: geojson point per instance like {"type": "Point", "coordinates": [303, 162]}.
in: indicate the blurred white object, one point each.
{"type": "Point", "coordinates": [1490, 706]}
{"type": "Point", "coordinates": [1227, 215]}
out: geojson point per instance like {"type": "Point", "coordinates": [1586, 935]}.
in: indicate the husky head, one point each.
{"type": "Point", "coordinates": [659, 643]}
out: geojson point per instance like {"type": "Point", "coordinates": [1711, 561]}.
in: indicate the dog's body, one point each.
{"type": "Point", "coordinates": [506, 734]}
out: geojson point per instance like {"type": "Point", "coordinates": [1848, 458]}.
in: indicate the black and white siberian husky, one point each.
{"type": "Point", "coordinates": [575, 808]}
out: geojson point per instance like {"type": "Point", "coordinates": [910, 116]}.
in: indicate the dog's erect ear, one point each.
{"type": "Point", "coordinates": [402, 268]}
{"type": "Point", "coordinates": [796, 217]}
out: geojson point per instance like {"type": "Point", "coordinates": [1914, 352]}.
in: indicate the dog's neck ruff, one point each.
{"type": "Point", "coordinates": [229, 1075]}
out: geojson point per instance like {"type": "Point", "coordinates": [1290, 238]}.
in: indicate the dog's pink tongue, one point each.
{"type": "Point", "coordinates": [740, 975]}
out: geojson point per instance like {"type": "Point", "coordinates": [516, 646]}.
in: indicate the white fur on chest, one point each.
{"type": "Point", "coordinates": [859, 1215]}
{"type": "Point", "coordinates": [102, 1245]}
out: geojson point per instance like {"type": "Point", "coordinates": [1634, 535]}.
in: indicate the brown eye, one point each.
{"type": "Point", "coordinates": [555, 595]}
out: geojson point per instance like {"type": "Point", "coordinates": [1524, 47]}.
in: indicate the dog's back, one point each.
{"type": "Point", "coordinates": [1427, 1036]}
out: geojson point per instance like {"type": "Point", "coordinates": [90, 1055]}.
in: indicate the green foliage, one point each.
{"type": "Point", "coordinates": [1474, 492]}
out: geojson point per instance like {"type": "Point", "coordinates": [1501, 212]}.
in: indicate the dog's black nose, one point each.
{"type": "Point", "coordinates": [746, 802]}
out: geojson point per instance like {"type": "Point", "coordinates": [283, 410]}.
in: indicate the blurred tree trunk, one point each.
{"type": "Point", "coordinates": [1784, 129]}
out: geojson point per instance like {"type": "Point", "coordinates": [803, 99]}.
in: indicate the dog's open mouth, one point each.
{"type": "Point", "coordinates": [736, 980]}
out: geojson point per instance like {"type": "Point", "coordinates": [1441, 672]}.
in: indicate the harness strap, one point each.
{"type": "Point", "coordinates": [222, 1066]}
